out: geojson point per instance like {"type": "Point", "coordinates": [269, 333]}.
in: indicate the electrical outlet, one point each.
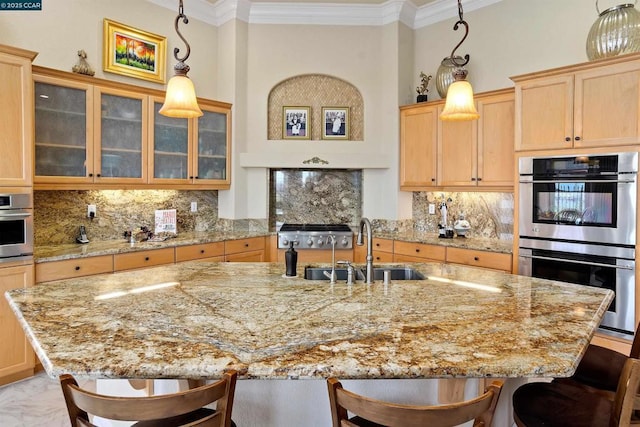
{"type": "Point", "coordinates": [91, 211]}
{"type": "Point", "coordinates": [432, 208]}
{"type": "Point", "coordinates": [194, 206]}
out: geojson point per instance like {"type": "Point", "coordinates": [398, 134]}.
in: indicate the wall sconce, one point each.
{"type": "Point", "coordinates": [459, 104]}
{"type": "Point", "coordinates": [180, 99]}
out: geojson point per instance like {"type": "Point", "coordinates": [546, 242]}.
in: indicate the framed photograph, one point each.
{"type": "Point", "coordinates": [336, 123]}
{"type": "Point", "coordinates": [296, 123]}
{"type": "Point", "coordinates": [134, 53]}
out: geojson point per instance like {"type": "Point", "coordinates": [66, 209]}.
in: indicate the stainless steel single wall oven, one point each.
{"type": "Point", "coordinates": [16, 227]}
{"type": "Point", "coordinates": [577, 223]}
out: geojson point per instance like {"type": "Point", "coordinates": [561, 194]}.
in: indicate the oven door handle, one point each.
{"type": "Point", "coordinates": [595, 264]}
{"type": "Point", "coordinates": [14, 215]}
{"type": "Point", "coordinates": [586, 181]}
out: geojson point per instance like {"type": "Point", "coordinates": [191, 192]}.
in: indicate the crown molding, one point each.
{"type": "Point", "coordinates": [355, 14]}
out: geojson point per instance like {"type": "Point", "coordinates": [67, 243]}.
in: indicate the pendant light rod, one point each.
{"type": "Point", "coordinates": [176, 50]}
{"type": "Point", "coordinates": [461, 21]}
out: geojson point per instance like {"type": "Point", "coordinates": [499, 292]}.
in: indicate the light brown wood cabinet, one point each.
{"type": "Point", "coordinates": [418, 144]}
{"type": "Point", "coordinates": [17, 359]}
{"type": "Point", "coordinates": [245, 250]}
{"type": "Point", "coordinates": [68, 269]}
{"type": "Point", "coordinates": [382, 251]}
{"type": "Point", "coordinates": [471, 154]}
{"type": "Point", "coordinates": [593, 104]}
{"type": "Point", "coordinates": [16, 117]}
{"type": "Point", "coordinates": [142, 259]}
{"type": "Point", "coordinates": [92, 133]}
{"type": "Point", "coordinates": [205, 252]}
{"type": "Point", "coordinates": [417, 252]}
{"type": "Point", "coordinates": [475, 258]}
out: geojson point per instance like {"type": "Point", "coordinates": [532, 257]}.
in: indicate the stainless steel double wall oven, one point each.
{"type": "Point", "coordinates": [16, 227]}
{"type": "Point", "coordinates": [577, 223]}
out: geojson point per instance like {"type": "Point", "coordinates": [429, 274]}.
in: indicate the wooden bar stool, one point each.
{"type": "Point", "coordinates": [566, 404]}
{"type": "Point", "coordinates": [168, 410]}
{"type": "Point", "coordinates": [376, 413]}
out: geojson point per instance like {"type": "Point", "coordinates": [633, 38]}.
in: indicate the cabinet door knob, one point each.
{"type": "Point", "coordinates": [473, 179]}
{"type": "Point", "coordinates": [77, 267]}
{"type": "Point", "coordinates": [433, 180]}
{"type": "Point", "coordinates": [98, 175]}
{"type": "Point", "coordinates": [197, 177]}
{"type": "Point", "coordinates": [90, 175]}
{"type": "Point", "coordinates": [567, 139]}
{"type": "Point", "coordinates": [190, 177]}
{"type": "Point", "coordinates": [479, 179]}
{"type": "Point", "coordinates": [577, 138]}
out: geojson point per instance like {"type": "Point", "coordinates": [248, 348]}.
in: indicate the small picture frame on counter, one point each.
{"type": "Point", "coordinates": [336, 122]}
{"type": "Point", "coordinates": [296, 123]}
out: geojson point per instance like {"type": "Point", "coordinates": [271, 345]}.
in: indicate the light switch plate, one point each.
{"type": "Point", "coordinates": [194, 206]}
{"type": "Point", "coordinates": [91, 209]}
{"type": "Point", "coordinates": [432, 208]}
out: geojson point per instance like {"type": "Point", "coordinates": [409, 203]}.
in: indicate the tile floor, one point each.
{"type": "Point", "coordinates": [36, 401]}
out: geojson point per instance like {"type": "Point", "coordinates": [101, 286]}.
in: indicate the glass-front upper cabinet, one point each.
{"type": "Point", "coordinates": [63, 130]}
{"type": "Point", "coordinates": [171, 156]}
{"type": "Point", "coordinates": [121, 132]}
{"type": "Point", "coordinates": [212, 161]}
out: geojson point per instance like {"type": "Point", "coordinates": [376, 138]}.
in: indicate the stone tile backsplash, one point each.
{"type": "Point", "coordinates": [59, 214]}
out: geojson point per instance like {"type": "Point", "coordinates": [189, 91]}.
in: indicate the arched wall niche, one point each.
{"type": "Point", "coordinates": [315, 91]}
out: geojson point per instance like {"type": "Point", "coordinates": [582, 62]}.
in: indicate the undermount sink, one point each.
{"type": "Point", "coordinates": [397, 273]}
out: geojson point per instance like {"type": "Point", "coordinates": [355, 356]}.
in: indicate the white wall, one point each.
{"type": "Point", "coordinates": [509, 38]}
{"type": "Point", "coordinates": [65, 26]}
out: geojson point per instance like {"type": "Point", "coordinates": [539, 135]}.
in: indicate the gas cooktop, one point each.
{"type": "Point", "coordinates": [315, 236]}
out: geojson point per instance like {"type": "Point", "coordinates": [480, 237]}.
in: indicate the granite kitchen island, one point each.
{"type": "Point", "coordinates": [198, 319]}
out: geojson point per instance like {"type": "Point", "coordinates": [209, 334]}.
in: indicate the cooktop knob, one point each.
{"type": "Point", "coordinates": [345, 241]}
{"type": "Point", "coordinates": [310, 242]}
{"type": "Point", "coordinates": [285, 241]}
{"type": "Point", "coordinates": [320, 241]}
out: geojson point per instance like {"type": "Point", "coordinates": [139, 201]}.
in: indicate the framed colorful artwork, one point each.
{"type": "Point", "coordinates": [296, 123]}
{"type": "Point", "coordinates": [335, 123]}
{"type": "Point", "coordinates": [134, 53]}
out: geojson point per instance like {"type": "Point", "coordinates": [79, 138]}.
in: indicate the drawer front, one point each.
{"type": "Point", "coordinates": [420, 250]}
{"type": "Point", "coordinates": [383, 245]}
{"type": "Point", "coordinates": [205, 250]}
{"type": "Point", "coordinates": [252, 256]}
{"type": "Point", "coordinates": [244, 245]}
{"type": "Point", "coordinates": [492, 260]}
{"type": "Point", "coordinates": [143, 259]}
{"type": "Point", "coordinates": [67, 269]}
{"type": "Point", "coordinates": [382, 256]}
{"type": "Point", "coordinates": [321, 255]}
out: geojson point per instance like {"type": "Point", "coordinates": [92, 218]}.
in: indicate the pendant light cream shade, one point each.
{"type": "Point", "coordinates": [459, 104]}
{"type": "Point", "coordinates": [180, 100]}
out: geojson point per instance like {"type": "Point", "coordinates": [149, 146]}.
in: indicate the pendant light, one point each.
{"type": "Point", "coordinates": [459, 104]}
{"type": "Point", "coordinates": [180, 99]}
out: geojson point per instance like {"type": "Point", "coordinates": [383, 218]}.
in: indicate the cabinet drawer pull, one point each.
{"type": "Point", "coordinates": [201, 251]}
{"type": "Point", "coordinates": [475, 258]}
{"type": "Point", "coordinates": [146, 258]}
{"type": "Point", "coordinates": [246, 245]}
{"type": "Point", "coordinates": [77, 268]}
{"type": "Point", "coordinates": [378, 244]}
{"type": "Point", "coordinates": [417, 250]}
{"type": "Point", "coordinates": [433, 180]}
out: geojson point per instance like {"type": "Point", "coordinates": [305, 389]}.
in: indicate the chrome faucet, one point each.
{"type": "Point", "coordinates": [365, 222]}
{"type": "Point", "coordinates": [332, 276]}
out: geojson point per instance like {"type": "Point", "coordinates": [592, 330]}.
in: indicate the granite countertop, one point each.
{"type": "Point", "coordinates": [198, 319]}
{"type": "Point", "coordinates": [48, 253]}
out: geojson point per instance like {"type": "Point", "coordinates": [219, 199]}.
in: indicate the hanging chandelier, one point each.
{"type": "Point", "coordinates": [459, 104]}
{"type": "Point", "coordinates": [180, 99]}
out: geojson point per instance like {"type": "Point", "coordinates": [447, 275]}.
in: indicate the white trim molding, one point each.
{"type": "Point", "coordinates": [316, 13]}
